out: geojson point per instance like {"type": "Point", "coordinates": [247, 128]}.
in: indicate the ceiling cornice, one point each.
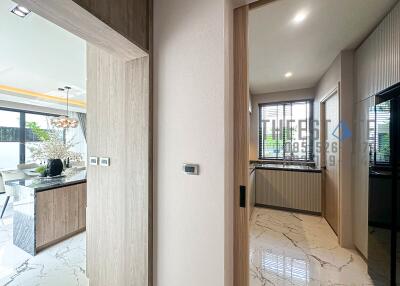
{"type": "Point", "coordinates": [32, 94]}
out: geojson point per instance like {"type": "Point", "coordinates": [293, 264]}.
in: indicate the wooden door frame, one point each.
{"type": "Point", "coordinates": [241, 141]}
{"type": "Point", "coordinates": [73, 18]}
{"type": "Point", "coordinates": [322, 118]}
{"type": "Point", "coordinates": [241, 145]}
{"type": "Point", "coordinates": [241, 264]}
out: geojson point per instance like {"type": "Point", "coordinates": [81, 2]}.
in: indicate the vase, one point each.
{"type": "Point", "coordinates": [54, 167]}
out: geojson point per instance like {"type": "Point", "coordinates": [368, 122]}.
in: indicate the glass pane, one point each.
{"type": "Point", "coordinates": [285, 131]}
{"type": "Point", "coordinates": [75, 136]}
{"type": "Point", "coordinates": [9, 139]}
{"type": "Point", "coordinates": [37, 128]}
{"type": "Point", "coordinates": [271, 131]}
{"type": "Point", "coordinates": [300, 129]}
{"type": "Point", "coordinates": [379, 133]}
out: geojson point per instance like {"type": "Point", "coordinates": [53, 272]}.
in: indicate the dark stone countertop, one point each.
{"type": "Point", "coordinates": [287, 167]}
{"type": "Point", "coordinates": [39, 184]}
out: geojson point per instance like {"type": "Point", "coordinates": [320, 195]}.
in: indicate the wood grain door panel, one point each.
{"type": "Point", "coordinates": [241, 147]}
{"type": "Point", "coordinates": [118, 201]}
{"type": "Point", "coordinates": [332, 161]}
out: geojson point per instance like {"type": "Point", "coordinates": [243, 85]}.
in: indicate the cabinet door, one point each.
{"type": "Point", "coordinates": [82, 206]}
{"type": "Point", "coordinates": [66, 210]}
{"type": "Point", "coordinates": [44, 218]}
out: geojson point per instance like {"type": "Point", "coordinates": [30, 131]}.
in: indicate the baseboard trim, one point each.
{"type": "Point", "coordinates": [288, 209]}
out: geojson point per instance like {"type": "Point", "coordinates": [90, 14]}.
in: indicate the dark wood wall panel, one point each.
{"type": "Point", "coordinates": [130, 18]}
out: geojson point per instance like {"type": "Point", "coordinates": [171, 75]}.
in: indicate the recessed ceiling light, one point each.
{"type": "Point", "coordinates": [23, 9]}
{"type": "Point", "coordinates": [288, 74]}
{"type": "Point", "coordinates": [20, 11]}
{"type": "Point", "coordinates": [300, 17]}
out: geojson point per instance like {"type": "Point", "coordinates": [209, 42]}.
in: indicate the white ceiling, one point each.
{"type": "Point", "coordinates": [277, 45]}
{"type": "Point", "coordinates": [38, 56]}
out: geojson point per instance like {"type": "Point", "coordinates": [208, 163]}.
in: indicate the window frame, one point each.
{"type": "Point", "coordinates": [310, 127]}
{"type": "Point", "coordinates": [22, 128]}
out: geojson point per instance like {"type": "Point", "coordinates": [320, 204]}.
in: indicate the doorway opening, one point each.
{"type": "Point", "coordinates": [293, 106]}
{"type": "Point", "coordinates": [68, 224]}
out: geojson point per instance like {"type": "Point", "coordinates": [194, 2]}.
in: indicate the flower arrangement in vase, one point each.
{"type": "Point", "coordinates": [54, 150]}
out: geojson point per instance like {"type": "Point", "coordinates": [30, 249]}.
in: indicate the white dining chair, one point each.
{"type": "Point", "coordinates": [9, 191]}
{"type": "Point", "coordinates": [27, 166]}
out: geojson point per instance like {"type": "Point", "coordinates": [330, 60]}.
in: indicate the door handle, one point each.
{"type": "Point", "coordinates": [243, 196]}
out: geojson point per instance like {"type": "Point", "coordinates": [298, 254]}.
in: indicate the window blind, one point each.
{"type": "Point", "coordinates": [285, 131]}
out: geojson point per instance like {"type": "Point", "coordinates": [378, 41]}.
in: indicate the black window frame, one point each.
{"type": "Point", "coordinates": [310, 154]}
{"type": "Point", "coordinates": [22, 128]}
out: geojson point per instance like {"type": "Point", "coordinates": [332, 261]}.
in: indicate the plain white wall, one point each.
{"type": "Point", "coordinates": [299, 94]}
{"type": "Point", "coordinates": [193, 120]}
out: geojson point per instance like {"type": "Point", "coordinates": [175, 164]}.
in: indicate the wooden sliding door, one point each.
{"type": "Point", "coordinates": [241, 148]}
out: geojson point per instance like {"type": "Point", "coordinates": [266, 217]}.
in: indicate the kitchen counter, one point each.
{"type": "Point", "coordinates": [287, 186]}
{"type": "Point", "coordinates": [287, 167]}
{"type": "Point", "coordinates": [47, 210]}
{"type": "Point", "coordinates": [40, 184]}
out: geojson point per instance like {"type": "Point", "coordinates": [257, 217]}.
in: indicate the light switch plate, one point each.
{"type": "Point", "coordinates": [104, 161]}
{"type": "Point", "coordinates": [191, 169]}
{"type": "Point", "coordinates": [94, 161]}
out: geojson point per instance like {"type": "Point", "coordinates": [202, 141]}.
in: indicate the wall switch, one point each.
{"type": "Point", "coordinates": [104, 161]}
{"type": "Point", "coordinates": [93, 161]}
{"type": "Point", "coordinates": [191, 169]}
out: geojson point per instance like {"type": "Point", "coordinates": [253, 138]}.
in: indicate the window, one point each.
{"type": "Point", "coordinates": [41, 121]}
{"type": "Point", "coordinates": [379, 133]}
{"type": "Point", "coordinates": [285, 131]}
{"type": "Point", "coordinates": [9, 139]}
{"type": "Point", "coordinates": [16, 134]}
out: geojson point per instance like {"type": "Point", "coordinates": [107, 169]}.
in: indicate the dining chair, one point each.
{"type": "Point", "coordinates": [27, 166]}
{"type": "Point", "coordinates": [3, 191]}
{"type": "Point", "coordinates": [9, 191]}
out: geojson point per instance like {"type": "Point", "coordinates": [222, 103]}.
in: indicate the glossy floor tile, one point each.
{"type": "Point", "coordinates": [297, 249]}
{"type": "Point", "coordinates": [63, 264]}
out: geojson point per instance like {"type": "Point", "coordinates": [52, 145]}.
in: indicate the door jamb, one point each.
{"type": "Point", "coordinates": [322, 117]}
{"type": "Point", "coordinates": [240, 139]}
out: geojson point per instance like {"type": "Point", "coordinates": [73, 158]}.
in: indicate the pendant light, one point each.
{"type": "Point", "coordinates": [64, 121]}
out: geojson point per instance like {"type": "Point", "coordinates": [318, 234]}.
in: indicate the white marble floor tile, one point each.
{"type": "Point", "coordinates": [298, 249]}
{"type": "Point", "coordinates": [63, 264]}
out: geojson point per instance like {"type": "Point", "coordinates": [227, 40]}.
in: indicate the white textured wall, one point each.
{"type": "Point", "coordinates": [377, 68]}
{"type": "Point", "coordinates": [378, 58]}
{"type": "Point", "coordinates": [193, 219]}
{"type": "Point", "coordinates": [291, 95]}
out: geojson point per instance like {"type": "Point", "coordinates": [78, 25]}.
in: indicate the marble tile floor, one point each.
{"type": "Point", "coordinates": [285, 249]}
{"type": "Point", "coordinates": [297, 249]}
{"type": "Point", "coordinates": [63, 264]}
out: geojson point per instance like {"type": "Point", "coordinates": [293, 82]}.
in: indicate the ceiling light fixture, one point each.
{"type": "Point", "coordinates": [300, 17]}
{"type": "Point", "coordinates": [288, 74]}
{"type": "Point", "coordinates": [20, 11]}
{"type": "Point", "coordinates": [64, 121]}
